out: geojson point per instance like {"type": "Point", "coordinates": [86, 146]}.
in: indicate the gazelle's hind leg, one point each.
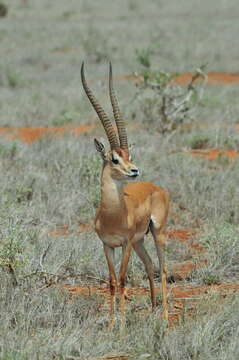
{"type": "Point", "coordinates": [159, 215]}
{"type": "Point", "coordinates": [144, 256]}
{"type": "Point", "coordinates": [160, 242]}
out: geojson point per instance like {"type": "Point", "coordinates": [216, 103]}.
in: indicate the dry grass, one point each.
{"type": "Point", "coordinates": [53, 183]}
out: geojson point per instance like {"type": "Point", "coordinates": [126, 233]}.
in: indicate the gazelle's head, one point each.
{"type": "Point", "coordinates": [117, 159]}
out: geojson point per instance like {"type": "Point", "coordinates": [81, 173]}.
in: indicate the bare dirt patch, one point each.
{"type": "Point", "coordinates": [183, 270]}
{"type": "Point", "coordinates": [213, 78]}
{"type": "Point", "coordinates": [214, 154]}
{"type": "Point", "coordinates": [64, 230]}
{"type": "Point", "coordinates": [183, 299]}
{"type": "Point", "coordinates": [181, 234]}
{"type": "Point", "coordinates": [30, 134]}
{"type": "Point", "coordinates": [185, 236]}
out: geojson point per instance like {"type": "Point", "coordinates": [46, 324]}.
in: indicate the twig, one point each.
{"type": "Point", "coordinates": [178, 107]}
{"type": "Point", "coordinates": [13, 275]}
{"type": "Point", "coordinates": [43, 256]}
{"type": "Point", "coordinates": [53, 279]}
{"type": "Point", "coordinates": [199, 73]}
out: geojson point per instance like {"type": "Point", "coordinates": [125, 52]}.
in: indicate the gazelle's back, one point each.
{"type": "Point", "coordinates": [146, 201]}
{"type": "Point", "coordinates": [139, 192]}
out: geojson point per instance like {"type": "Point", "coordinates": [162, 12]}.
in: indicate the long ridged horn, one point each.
{"type": "Point", "coordinates": [117, 114]}
{"type": "Point", "coordinates": [110, 132]}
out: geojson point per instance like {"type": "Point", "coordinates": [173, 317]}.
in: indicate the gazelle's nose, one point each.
{"type": "Point", "coordinates": [134, 172]}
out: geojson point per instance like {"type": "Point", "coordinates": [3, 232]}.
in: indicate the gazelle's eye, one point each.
{"type": "Point", "coordinates": [115, 161]}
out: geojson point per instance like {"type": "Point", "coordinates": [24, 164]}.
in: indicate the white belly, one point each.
{"type": "Point", "coordinates": [118, 240]}
{"type": "Point", "coordinates": [113, 240]}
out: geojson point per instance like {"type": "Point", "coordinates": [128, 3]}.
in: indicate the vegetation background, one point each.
{"type": "Point", "coordinates": [50, 187]}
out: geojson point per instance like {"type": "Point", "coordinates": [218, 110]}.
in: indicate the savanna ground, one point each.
{"type": "Point", "coordinates": [49, 184]}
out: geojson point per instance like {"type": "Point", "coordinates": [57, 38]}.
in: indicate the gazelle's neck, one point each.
{"type": "Point", "coordinates": [112, 194]}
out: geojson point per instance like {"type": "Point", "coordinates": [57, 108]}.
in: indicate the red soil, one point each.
{"type": "Point", "coordinates": [185, 78]}
{"type": "Point", "coordinates": [181, 234]}
{"type": "Point", "coordinates": [132, 77]}
{"type": "Point", "coordinates": [185, 236]}
{"type": "Point", "coordinates": [197, 248]}
{"type": "Point", "coordinates": [186, 298]}
{"type": "Point", "coordinates": [60, 231]}
{"type": "Point", "coordinates": [184, 269]}
{"type": "Point", "coordinates": [183, 300]}
{"type": "Point", "coordinates": [182, 291]}
{"type": "Point", "coordinates": [213, 154]}
{"type": "Point", "coordinates": [64, 230]}
{"type": "Point", "coordinates": [30, 134]}
{"type": "Point", "coordinates": [212, 78]}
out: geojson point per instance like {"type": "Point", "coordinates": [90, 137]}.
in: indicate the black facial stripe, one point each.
{"type": "Point", "coordinates": [115, 161]}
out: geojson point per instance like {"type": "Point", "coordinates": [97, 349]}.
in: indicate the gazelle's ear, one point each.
{"type": "Point", "coordinates": [100, 147]}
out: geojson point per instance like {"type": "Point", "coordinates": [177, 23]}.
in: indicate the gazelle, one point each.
{"type": "Point", "coordinates": [127, 211]}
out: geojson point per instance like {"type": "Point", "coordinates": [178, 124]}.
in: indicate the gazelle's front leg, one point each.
{"type": "Point", "coordinates": [109, 253]}
{"type": "Point", "coordinates": [126, 251]}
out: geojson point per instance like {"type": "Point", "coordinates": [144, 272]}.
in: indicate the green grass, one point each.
{"type": "Point", "coordinates": [198, 141]}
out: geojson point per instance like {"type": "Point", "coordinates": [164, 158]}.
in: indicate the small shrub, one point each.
{"type": "Point", "coordinates": [3, 10]}
{"type": "Point", "coordinates": [223, 159]}
{"type": "Point", "coordinates": [14, 78]}
{"type": "Point", "coordinates": [67, 14]}
{"type": "Point", "coordinates": [65, 117]}
{"type": "Point", "coordinates": [97, 46]}
{"type": "Point", "coordinates": [12, 250]}
{"type": "Point", "coordinates": [198, 141]}
{"type": "Point", "coordinates": [24, 194]}
{"type": "Point", "coordinates": [165, 105]}
{"type": "Point", "coordinates": [143, 57]}
{"type": "Point", "coordinates": [8, 151]}
{"type": "Point", "coordinates": [210, 278]}
{"type": "Point", "coordinates": [231, 142]}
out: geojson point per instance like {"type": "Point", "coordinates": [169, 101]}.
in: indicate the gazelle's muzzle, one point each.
{"type": "Point", "coordinates": [133, 173]}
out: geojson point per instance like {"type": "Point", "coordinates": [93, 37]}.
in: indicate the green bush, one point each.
{"type": "Point", "coordinates": [165, 106]}
{"type": "Point", "coordinates": [198, 141]}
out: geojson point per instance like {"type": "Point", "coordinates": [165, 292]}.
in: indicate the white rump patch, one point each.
{"type": "Point", "coordinates": [155, 222]}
